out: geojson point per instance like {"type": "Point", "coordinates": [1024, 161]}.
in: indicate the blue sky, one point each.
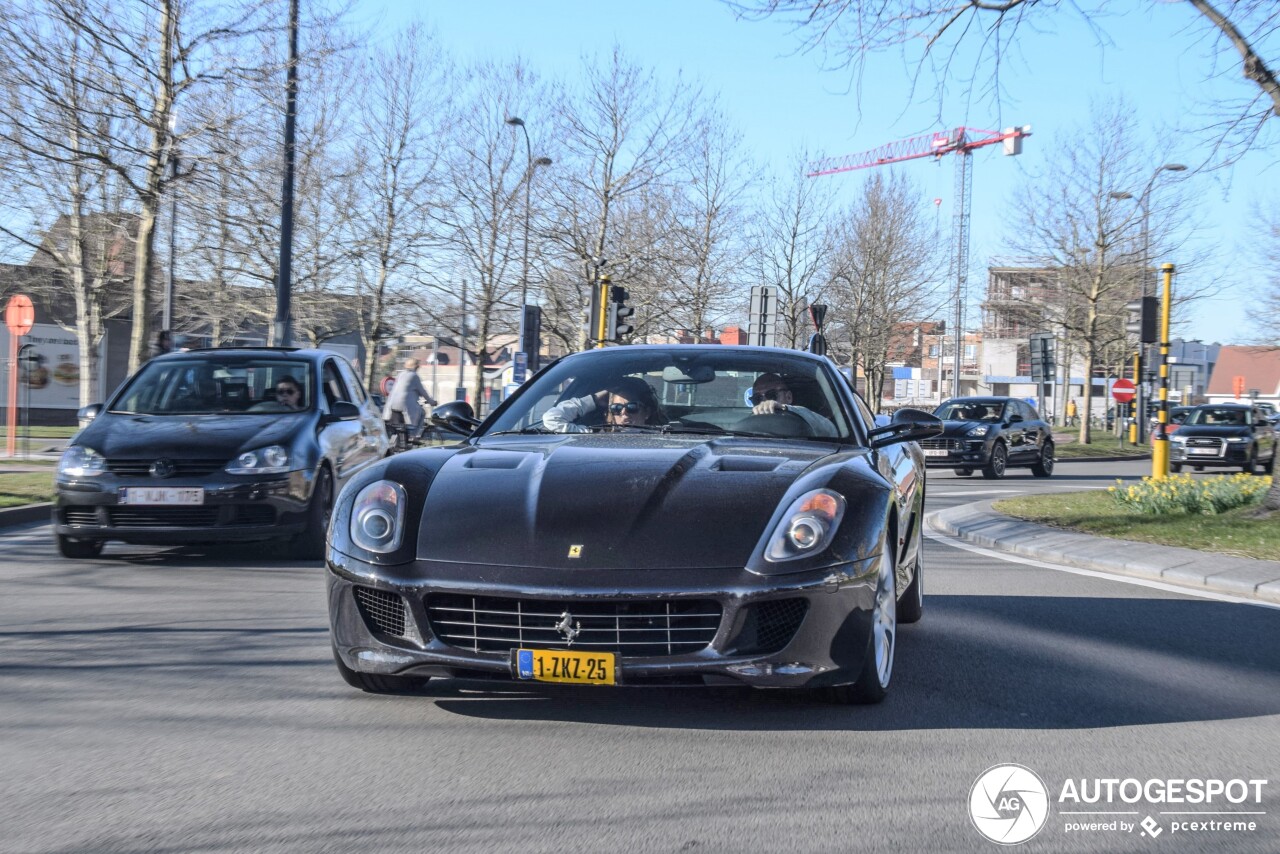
{"type": "Point", "coordinates": [781, 101]}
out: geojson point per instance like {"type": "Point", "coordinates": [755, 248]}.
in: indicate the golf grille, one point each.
{"type": "Point", "coordinates": [383, 612]}
{"type": "Point", "coordinates": [630, 628]}
{"type": "Point", "coordinates": [181, 468]}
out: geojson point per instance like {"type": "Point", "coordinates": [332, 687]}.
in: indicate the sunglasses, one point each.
{"type": "Point", "coordinates": [619, 408]}
{"type": "Point", "coordinates": [770, 394]}
{"type": "Point", "coordinates": [289, 391]}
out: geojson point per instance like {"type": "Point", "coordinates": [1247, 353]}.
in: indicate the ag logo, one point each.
{"type": "Point", "coordinates": [1008, 804]}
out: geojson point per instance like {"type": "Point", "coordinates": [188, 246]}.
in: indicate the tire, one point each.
{"type": "Point", "coordinates": [378, 684]}
{"type": "Point", "coordinates": [995, 467]}
{"type": "Point", "coordinates": [1270, 467]}
{"type": "Point", "coordinates": [78, 549]}
{"type": "Point", "coordinates": [911, 605]}
{"type": "Point", "coordinates": [1175, 468]}
{"type": "Point", "coordinates": [309, 545]}
{"type": "Point", "coordinates": [964, 472]}
{"type": "Point", "coordinates": [877, 663]}
{"type": "Point", "coordinates": [1251, 466]}
{"type": "Point", "coordinates": [1043, 467]}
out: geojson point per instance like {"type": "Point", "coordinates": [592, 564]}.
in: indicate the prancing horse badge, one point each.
{"type": "Point", "coordinates": [575, 551]}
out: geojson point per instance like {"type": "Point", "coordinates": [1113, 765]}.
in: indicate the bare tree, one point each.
{"type": "Point", "coordinates": [704, 253]}
{"type": "Point", "coordinates": [1073, 224]}
{"type": "Point", "coordinates": [56, 128]}
{"type": "Point", "coordinates": [625, 137]}
{"type": "Point", "coordinates": [481, 217]}
{"type": "Point", "coordinates": [945, 41]}
{"type": "Point", "coordinates": [884, 272]}
{"type": "Point", "coordinates": [792, 246]}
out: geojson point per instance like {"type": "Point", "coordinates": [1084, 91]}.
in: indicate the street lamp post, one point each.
{"type": "Point", "coordinates": [516, 121]}
{"type": "Point", "coordinates": [1144, 206]}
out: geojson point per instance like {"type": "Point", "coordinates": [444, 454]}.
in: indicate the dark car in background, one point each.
{"type": "Point", "coordinates": [196, 447]}
{"type": "Point", "coordinates": [1218, 435]}
{"type": "Point", "coordinates": [991, 435]}
{"type": "Point", "coordinates": [703, 543]}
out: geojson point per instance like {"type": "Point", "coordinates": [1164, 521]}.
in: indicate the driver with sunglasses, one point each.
{"type": "Point", "coordinates": [627, 403]}
{"type": "Point", "coordinates": [770, 393]}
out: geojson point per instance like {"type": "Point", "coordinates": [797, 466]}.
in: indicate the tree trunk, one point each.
{"type": "Point", "coordinates": [1086, 402]}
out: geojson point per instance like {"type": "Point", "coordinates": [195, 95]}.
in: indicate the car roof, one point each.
{"type": "Point", "coordinates": [705, 348]}
{"type": "Point", "coordinates": [283, 353]}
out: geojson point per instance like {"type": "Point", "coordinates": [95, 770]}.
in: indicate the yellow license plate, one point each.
{"type": "Point", "coordinates": [563, 665]}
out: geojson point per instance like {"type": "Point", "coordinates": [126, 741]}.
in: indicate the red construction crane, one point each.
{"type": "Point", "coordinates": [962, 141]}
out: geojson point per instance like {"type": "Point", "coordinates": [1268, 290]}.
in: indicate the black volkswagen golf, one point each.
{"type": "Point", "coordinates": [641, 515]}
{"type": "Point", "coordinates": [990, 434]}
{"type": "Point", "coordinates": [215, 446]}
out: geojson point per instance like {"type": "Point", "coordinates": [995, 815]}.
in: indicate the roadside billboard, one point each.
{"type": "Point", "coordinates": [49, 375]}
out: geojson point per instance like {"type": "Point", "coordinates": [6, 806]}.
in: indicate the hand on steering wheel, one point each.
{"type": "Point", "coordinates": [769, 407]}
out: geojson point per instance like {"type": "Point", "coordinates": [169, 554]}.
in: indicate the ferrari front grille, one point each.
{"type": "Point", "coordinates": [630, 628]}
{"type": "Point", "coordinates": [382, 611]}
{"type": "Point", "coordinates": [770, 626]}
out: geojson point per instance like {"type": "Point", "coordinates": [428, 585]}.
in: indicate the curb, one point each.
{"type": "Point", "coordinates": [25, 513]}
{"type": "Point", "coordinates": [978, 524]}
{"type": "Point", "coordinates": [1118, 459]}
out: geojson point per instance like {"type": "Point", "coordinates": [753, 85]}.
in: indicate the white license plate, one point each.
{"type": "Point", "coordinates": [135, 495]}
{"type": "Point", "coordinates": [1203, 452]}
{"type": "Point", "coordinates": [936, 452]}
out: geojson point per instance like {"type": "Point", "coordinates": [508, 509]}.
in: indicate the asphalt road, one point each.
{"type": "Point", "coordinates": [183, 700]}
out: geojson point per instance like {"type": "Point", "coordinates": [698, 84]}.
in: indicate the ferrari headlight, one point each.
{"type": "Point", "coordinates": [980, 430]}
{"type": "Point", "coordinates": [272, 459]}
{"type": "Point", "coordinates": [377, 517]}
{"type": "Point", "coordinates": [79, 461]}
{"type": "Point", "coordinates": [807, 527]}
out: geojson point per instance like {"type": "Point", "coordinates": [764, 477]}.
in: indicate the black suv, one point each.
{"type": "Point", "coordinates": [217, 446]}
{"type": "Point", "coordinates": [1224, 434]}
{"type": "Point", "coordinates": [990, 434]}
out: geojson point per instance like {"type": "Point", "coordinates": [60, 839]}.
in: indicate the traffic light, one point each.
{"type": "Point", "coordinates": [618, 324]}
{"type": "Point", "coordinates": [1142, 319]}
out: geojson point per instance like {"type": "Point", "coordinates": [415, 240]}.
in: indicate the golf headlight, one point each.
{"type": "Point", "coordinates": [79, 461]}
{"type": "Point", "coordinates": [377, 517]}
{"type": "Point", "coordinates": [979, 431]}
{"type": "Point", "coordinates": [270, 460]}
{"type": "Point", "coordinates": [807, 527]}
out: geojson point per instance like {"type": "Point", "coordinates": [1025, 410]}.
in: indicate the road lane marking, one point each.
{"type": "Point", "coordinates": [947, 540]}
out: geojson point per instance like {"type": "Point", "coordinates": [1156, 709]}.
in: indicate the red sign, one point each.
{"type": "Point", "coordinates": [1123, 390]}
{"type": "Point", "coordinates": [19, 315]}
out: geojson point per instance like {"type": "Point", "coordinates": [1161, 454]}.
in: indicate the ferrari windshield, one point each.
{"type": "Point", "coordinates": [679, 390]}
{"type": "Point", "coordinates": [205, 384]}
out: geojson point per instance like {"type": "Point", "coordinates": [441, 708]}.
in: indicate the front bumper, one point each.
{"type": "Point", "coordinates": [826, 646]}
{"type": "Point", "coordinates": [952, 452]}
{"type": "Point", "coordinates": [1229, 454]}
{"type": "Point", "coordinates": [235, 509]}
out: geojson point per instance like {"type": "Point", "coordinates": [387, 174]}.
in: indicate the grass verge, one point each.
{"type": "Point", "coordinates": [1072, 450]}
{"type": "Point", "coordinates": [1095, 512]}
{"type": "Point", "coordinates": [25, 487]}
{"type": "Point", "coordinates": [40, 433]}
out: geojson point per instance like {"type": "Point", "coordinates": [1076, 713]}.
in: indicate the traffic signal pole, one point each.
{"type": "Point", "coordinates": [1160, 447]}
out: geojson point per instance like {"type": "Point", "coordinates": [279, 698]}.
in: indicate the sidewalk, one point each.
{"type": "Point", "coordinates": [979, 524]}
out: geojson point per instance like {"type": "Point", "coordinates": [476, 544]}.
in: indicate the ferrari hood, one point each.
{"type": "Point", "coordinates": [210, 437]}
{"type": "Point", "coordinates": [622, 501]}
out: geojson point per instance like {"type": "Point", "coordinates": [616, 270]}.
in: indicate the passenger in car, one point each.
{"type": "Point", "coordinates": [627, 403]}
{"type": "Point", "coordinates": [289, 393]}
{"type": "Point", "coordinates": [770, 393]}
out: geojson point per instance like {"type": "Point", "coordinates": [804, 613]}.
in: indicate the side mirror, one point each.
{"type": "Point", "coordinates": [456, 416]}
{"type": "Point", "coordinates": [344, 410]}
{"type": "Point", "coordinates": [88, 413]}
{"type": "Point", "coordinates": [1015, 418]}
{"type": "Point", "coordinates": [907, 425]}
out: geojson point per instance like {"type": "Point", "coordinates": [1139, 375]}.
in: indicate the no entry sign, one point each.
{"type": "Point", "coordinates": [1123, 390]}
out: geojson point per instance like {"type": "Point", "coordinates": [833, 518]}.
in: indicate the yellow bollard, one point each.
{"type": "Point", "coordinates": [1133, 433]}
